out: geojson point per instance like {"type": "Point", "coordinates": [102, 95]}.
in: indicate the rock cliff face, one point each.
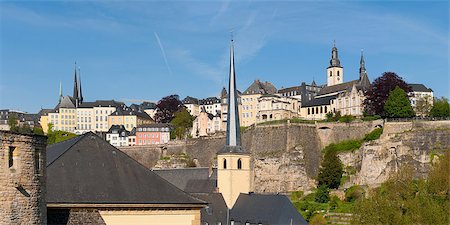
{"type": "Point", "coordinates": [413, 144]}
{"type": "Point", "coordinates": [287, 157]}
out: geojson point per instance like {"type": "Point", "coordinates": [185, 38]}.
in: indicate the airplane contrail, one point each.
{"type": "Point", "coordinates": [163, 53]}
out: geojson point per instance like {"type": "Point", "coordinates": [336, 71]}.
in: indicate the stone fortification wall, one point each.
{"type": "Point", "coordinates": [408, 143]}
{"type": "Point", "coordinates": [22, 179]}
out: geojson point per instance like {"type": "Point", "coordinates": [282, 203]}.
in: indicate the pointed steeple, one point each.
{"type": "Point", "coordinates": [233, 143]}
{"type": "Point", "coordinates": [80, 94]}
{"type": "Point", "coordinates": [362, 66]}
{"type": "Point", "coordinates": [363, 77]}
{"type": "Point", "coordinates": [75, 84]}
{"type": "Point", "coordinates": [334, 61]}
{"type": "Point", "coordinates": [60, 91]}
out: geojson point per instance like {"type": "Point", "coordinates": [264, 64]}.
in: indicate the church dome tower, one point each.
{"type": "Point", "coordinates": [234, 164]}
{"type": "Point", "coordinates": [335, 72]}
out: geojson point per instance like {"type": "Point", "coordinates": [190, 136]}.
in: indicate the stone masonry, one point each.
{"type": "Point", "coordinates": [22, 178]}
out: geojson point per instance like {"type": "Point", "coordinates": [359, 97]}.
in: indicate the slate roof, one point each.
{"type": "Point", "coordinates": [319, 101]}
{"type": "Point", "coordinates": [191, 180]}
{"type": "Point", "coordinates": [265, 209]}
{"type": "Point", "coordinates": [420, 88]}
{"type": "Point", "coordinates": [119, 129]}
{"type": "Point", "coordinates": [125, 111]}
{"type": "Point", "coordinates": [209, 101]}
{"type": "Point", "coordinates": [66, 102]}
{"type": "Point", "coordinates": [88, 170]}
{"type": "Point", "coordinates": [101, 103]}
{"type": "Point", "coordinates": [258, 87]}
{"type": "Point", "coordinates": [190, 100]}
{"type": "Point", "coordinates": [216, 210]}
{"type": "Point", "coordinates": [347, 86]}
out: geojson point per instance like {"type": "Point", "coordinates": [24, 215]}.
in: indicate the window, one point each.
{"type": "Point", "coordinates": [224, 163]}
{"type": "Point", "coordinates": [37, 163]}
{"type": "Point", "coordinates": [309, 112]}
{"type": "Point", "coordinates": [11, 156]}
{"type": "Point", "coordinates": [331, 73]}
{"type": "Point", "coordinates": [338, 73]}
{"type": "Point", "coordinates": [239, 164]}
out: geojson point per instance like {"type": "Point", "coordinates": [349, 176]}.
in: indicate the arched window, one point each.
{"type": "Point", "coordinates": [331, 73]}
{"type": "Point", "coordinates": [239, 164]}
{"type": "Point", "coordinates": [338, 72]}
{"type": "Point", "coordinates": [224, 163]}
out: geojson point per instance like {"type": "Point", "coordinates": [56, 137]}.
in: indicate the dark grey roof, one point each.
{"type": "Point", "coordinates": [224, 93]}
{"type": "Point", "coordinates": [124, 111]}
{"type": "Point", "coordinates": [338, 87]}
{"type": "Point", "coordinates": [190, 100]}
{"type": "Point", "coordinates": [143, 106]}
{"type": "Point", "coordinates": [88, 170]}
{"type": "Point", "coordinates": [319, 101]}
{"type": "Point", "coordinates": [216, 211]}
{"type": "Point", "coordinates": [420, 88]}
{"type": "Point", "coordinates": [101, 103]}
{"type": "Point", "coordinates": [133, 132]}
{"type": "Point", "coordinates": [209, 101]}
{"type": "Point", "coordinates": [66, 102]}
{"type": "Point", "coordinates": [191, 180]}
{"type": "Point", "coordinates": [119, 129]}
{"type": "Point", "coordinates": [258, 87]}
{"type": "Point", "coordinates": [265, 209]}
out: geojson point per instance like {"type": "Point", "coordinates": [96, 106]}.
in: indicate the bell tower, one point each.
{"type": "Point", "coordinates": [233, 162]}
{"type": "Point", "coordinates": [335, 72]}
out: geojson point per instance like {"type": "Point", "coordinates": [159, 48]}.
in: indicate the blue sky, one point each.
{"type": "Point", "coordinates": [145, 50]}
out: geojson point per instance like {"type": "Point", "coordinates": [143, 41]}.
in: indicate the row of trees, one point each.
{"type": "Point", "coordinates": [387, 97]}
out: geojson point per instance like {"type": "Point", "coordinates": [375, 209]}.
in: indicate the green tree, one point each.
{"type": "Point", "coordinates": [330, 171]}
{"type": "Point", "coordinates": [12, 122]}
{"type": "Point", "coordinates": [182, 122]}
{"type": "Point", "coordinates": [397, 105]}
{"type": "Point", "coordinates": [441, 108]}
{"type": "Point", "coordinates": [55, 136]}
{"type": "Point", "coordinates": [405, 200]}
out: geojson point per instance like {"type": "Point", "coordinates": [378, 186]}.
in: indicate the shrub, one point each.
{"type": "Point", "coordinates": [317, 219]}
{"type": "Point", "coordinates": [344, 146]}
{"type": "Point", "coordinates": [296, 195]}
{"type": "Point", "coordinates": [346, 119]}
{"type": "Point", "coordinates": [322, 194]}
{"type": "Point", "coordinates": [374, 135]}
{"type": "Point", "coordinates": [309, 197]}
{"type": "Point", "coordinates": [354, 193]}
{"type": "Point", "coordinates": [334, 202]}
{"type": "Point", "coordinates": [371, 118]}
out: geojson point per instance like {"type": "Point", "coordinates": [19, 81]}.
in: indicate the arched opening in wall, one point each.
{"type": "Point", "coordinates": [239, 164]}
{"type": "Point", "coordinates": [271, 116]}
{"type": "Point", "coordinates": [264, 117]}
{"type": "Point", "coordinates": [331, 73]}
{"type": "Point", "coordinates": [338, 73]}
{"type": "Point", "coordinates": [324, 128]}
{"type": "Point", "coordinates": [379, 126]}
{"type": "Point", "coordinates": [224, 163]}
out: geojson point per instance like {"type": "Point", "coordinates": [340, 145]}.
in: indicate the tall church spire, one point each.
{"type": "Point", "coordinates": [80, 94]}
{"type": "Point", "coordinates": [60, 91]}
{"type": "Point", "coordinates": [362, 66]}
{"type": "Point", "coordinates": [334, 61]}
{"type": "Point", "coordinates": [75, 84]}
{"type": "Point", "coordinates": [233, 143]}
